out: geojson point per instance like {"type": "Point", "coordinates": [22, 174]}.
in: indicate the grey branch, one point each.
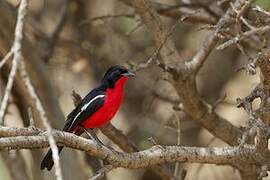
{"type": "Point", "coordinates": [147, 158]}
{"type": "Point", "coordinates": [7, 57]}
{"type": "Point", "coordinates": [243, 36]}
{"type": "Point", "coordinates": [183, 72]}
{"type": "Point", "coordinates": [17, 56]}
{"type": "Point", "coordinates": [212, 39]}
{"type": "Point", "coordinates": [26, 79]}
{"type": "Point", "coordinates": [101, 172]}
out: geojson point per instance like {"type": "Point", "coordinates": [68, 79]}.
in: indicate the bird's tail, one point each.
{"type": "Point", "coordinates": [47, 161]}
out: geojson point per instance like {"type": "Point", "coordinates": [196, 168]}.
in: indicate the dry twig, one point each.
{"type": "Point", "coordinates": [101, 172]}
{"type": "Point", "coordinates": [259, 9]}
{"type": "Point", "coordinates": [243, 36]}
{"type": "Point", "coordinates": [38, 104]}
{"type": "Point", "coordinates": [7, 57]}
{"type": "Point", "coordinates": [108, 16]}
{"type": "Point", "coordinates": [17, 56]}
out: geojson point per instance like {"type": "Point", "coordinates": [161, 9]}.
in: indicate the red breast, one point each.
{"type": "Point", "coordinates": [110, 107]}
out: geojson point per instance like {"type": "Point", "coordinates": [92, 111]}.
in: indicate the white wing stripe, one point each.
{"type": "Point", "coordinates": [85, 107]}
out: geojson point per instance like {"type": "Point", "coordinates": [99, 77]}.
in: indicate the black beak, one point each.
{"type": "Point", "coordinates": [129, 74]}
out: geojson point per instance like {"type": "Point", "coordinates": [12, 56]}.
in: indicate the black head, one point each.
{"type": "Point", "coordinates": [115, 73]}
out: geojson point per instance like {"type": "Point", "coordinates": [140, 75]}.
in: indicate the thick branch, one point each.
{"type": "Point", "coordinates": [150, 157]}
{"type": "Point", "coordinates": [183, 80]}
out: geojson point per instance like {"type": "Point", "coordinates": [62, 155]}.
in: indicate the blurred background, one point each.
{"type": "Point", "coordinates": [94, 35]}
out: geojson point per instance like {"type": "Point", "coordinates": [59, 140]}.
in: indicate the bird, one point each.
{"type": "Point", "coordinates": [96, 109]}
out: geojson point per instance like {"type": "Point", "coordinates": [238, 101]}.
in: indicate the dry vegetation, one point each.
{"type": "Point", "coordinates": [200, 98]}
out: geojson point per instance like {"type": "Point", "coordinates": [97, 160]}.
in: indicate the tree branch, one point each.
{"type": "Point", "coordinates": [17, 56]}
{"type": "Point", "coordinates": [243, 36]}
{"type": "Point", "coordinates": [147, 158]}
{"type": "Point", "coordinates": [176, 12]}
{"type": "Point", "coordinates": [212, 39]}
{"type": "Point", "coordinates": [26, 79]}
{"type": "Point", "coordinates": [183, 78]}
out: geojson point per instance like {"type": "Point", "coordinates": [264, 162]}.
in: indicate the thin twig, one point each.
{"type": "Point", "coordinates": [259, 9]}
{"type": "Point", "coordinates": [154, 57]}
{"type": "Point", "coordinates": [38, 104]}
{"type": "Point", "coordinates": [101, 173]}
{"type": "Point", "coordinates": [76, 98]}
{"type": "Point", "coordinates": [108, 16]}
{"type": "Point", "coordinates": [212, 39]}
{"type": "Point", "coordinates": [16, 49]}
{"type": "Point", "coordinates": [137, 25]}
{"type": "Point", "coordinates": [61, 22]}
{"type": "Point", "coordinates": [56, 32]}
{"type": "Point", "coordinates": [243, 36]}
{"type": "Point", "coordinates": [30, 116]}
{"type": "Point", "coordinates": [177, 165]}
{"type": "Point", "coordinates": [7, 57]}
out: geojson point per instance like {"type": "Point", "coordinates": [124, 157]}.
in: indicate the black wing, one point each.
{"type": "Point", "coordinates": [88, 106]}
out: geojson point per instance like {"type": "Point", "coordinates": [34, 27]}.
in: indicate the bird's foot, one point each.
{"type": "Point", "coordinates": [91, 133]}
